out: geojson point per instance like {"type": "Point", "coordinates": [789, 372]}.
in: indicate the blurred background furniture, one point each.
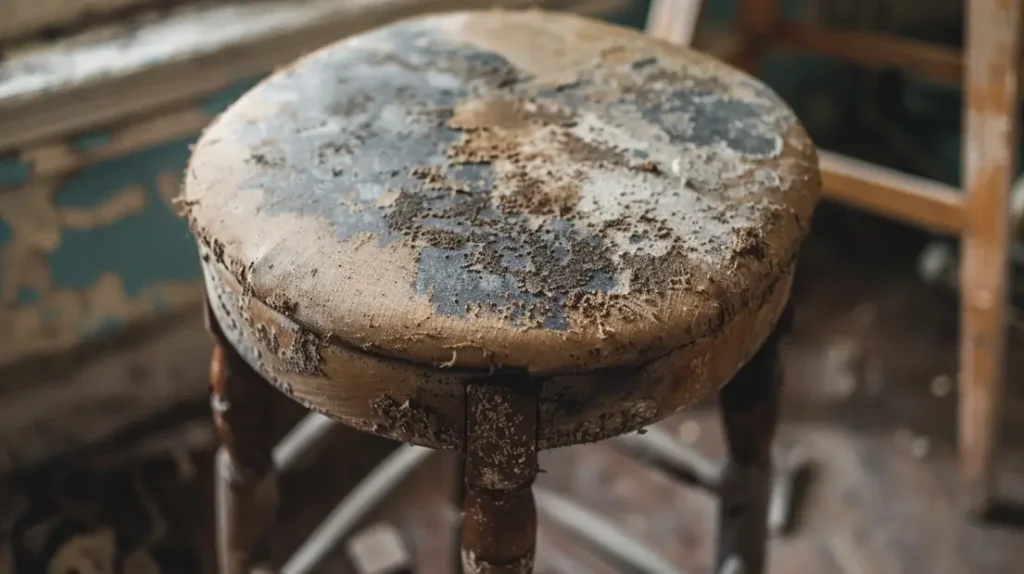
{"type": "Point", "coordinates": [979, 213]}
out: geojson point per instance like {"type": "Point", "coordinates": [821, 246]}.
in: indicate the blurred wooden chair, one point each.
{"type": "Point", "coordinates": [980, 215]}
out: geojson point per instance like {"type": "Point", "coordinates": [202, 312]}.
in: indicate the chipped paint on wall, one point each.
{"type": "Point", "coordinates": [102, 249]}
{"type": "Point", "coordinates": [153, 244]}
{"type": "Point", "coordinates": [13, 171]}
{"type": "Point", "coordinates": [89, 238]}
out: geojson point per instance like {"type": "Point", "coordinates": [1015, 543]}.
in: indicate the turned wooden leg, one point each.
{"type": "Point", "coordinates": [750, 407]}
{"type": "Point", "coordinates": [499, 519]}
{"type": "Point", "coordinates": [246, 487]}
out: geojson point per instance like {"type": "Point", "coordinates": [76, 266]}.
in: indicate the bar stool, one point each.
{"type": "Point", "coordinates": [499, 232]}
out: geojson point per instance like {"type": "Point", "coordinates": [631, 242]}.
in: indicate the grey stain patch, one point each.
{"type": "Point", "coordinates": [704, 114]}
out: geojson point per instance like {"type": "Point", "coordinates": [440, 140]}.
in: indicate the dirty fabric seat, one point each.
{"type": "Point", "coordinates": [500, 232]}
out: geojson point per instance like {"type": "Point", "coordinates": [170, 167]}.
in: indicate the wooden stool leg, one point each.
{"type": "Point", "coordinates": [750, 407]}
{"type": "Point", "coordinates": [458, 498]}
{"type": "Point", "coordinates": [246, 486]}
{"type": "Point", "coordinates": [499, 518]}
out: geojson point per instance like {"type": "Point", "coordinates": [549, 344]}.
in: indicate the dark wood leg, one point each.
{"type": "Point", "coordinates": [246, 485]}
{"type": "Point", "coordinates": [499, 518]}
{"type": "Point", "coordinates": [750, 410]}
{"type": "Point", "coordinates": [458, 496]}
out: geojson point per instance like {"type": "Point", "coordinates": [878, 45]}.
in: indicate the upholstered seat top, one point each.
{"type": "Point", "coordinates": [516, 189]}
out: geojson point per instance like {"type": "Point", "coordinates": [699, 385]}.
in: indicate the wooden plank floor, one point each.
{"type": "Point", "coordinates": [869, 396]}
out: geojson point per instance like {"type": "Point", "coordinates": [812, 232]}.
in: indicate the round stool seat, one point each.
{"type": "Point", "coordinates": [457, 195]}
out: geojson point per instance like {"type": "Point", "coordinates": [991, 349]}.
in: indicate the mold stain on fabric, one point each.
{"type": "Point", "coordinates": [527, 201]}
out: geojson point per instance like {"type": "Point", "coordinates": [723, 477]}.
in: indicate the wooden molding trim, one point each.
{"type": "Point", "coordinates": [75, 85]}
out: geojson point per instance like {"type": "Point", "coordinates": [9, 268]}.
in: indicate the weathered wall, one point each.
{"type": "Point", "coordinates": [88, 253]}
{"type": "Point", "coordinates": [100, 291]}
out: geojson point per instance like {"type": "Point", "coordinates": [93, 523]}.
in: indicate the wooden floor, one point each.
{"type": "Point", "coordinates": [870, 398]}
